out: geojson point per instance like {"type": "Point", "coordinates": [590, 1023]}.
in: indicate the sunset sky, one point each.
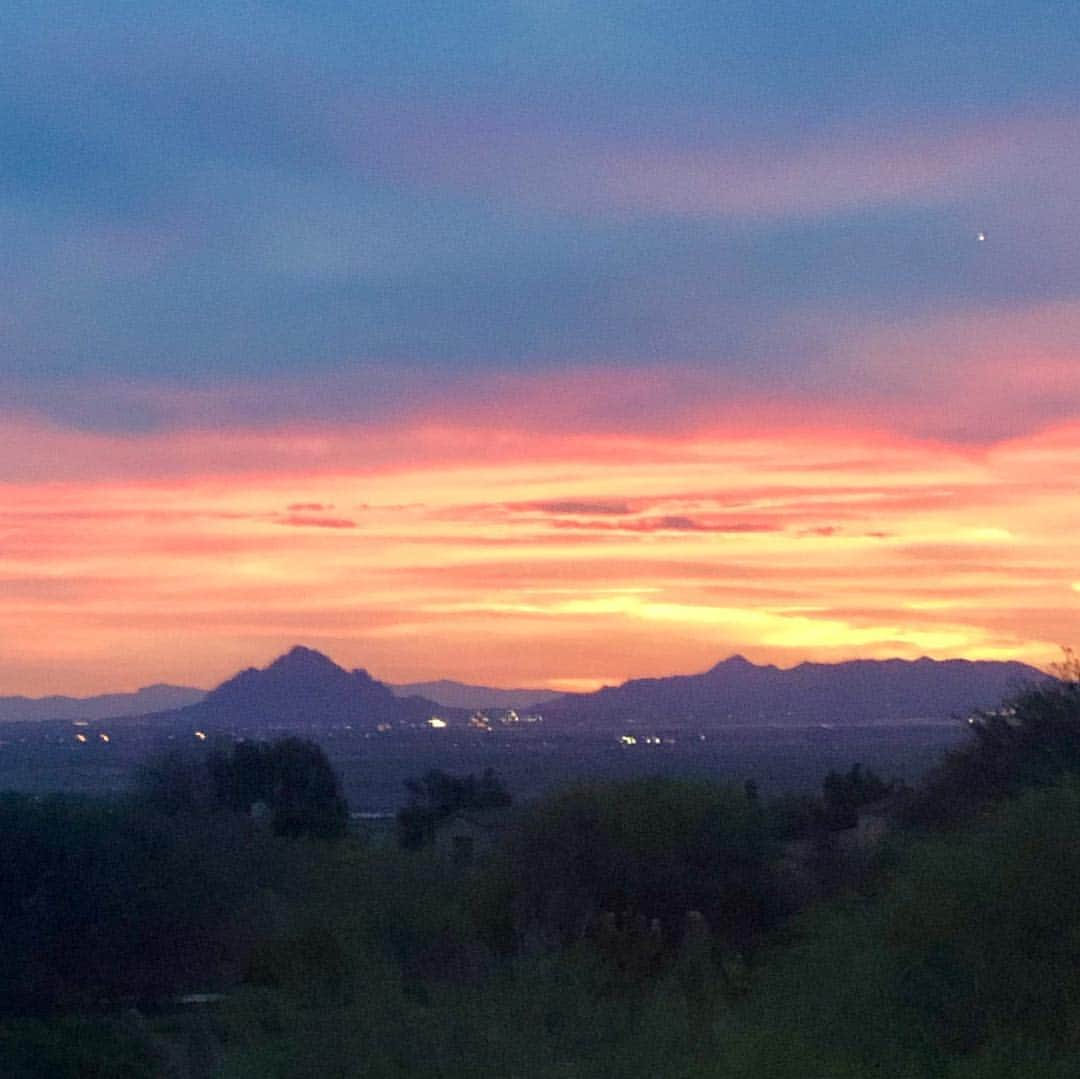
{"type": "Point", "coordinates": [535, 342]}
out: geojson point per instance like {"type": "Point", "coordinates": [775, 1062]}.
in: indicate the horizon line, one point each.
{"type": "Point", "coordinates": [596, 684]}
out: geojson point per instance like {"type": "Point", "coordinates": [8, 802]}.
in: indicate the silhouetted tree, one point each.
{"type": "Point", "coordinates": [437, 795]}
{"type": "Point", "coordinates": [1031, 740]}
{"type": "Point", "coordinates": [176, 782]}
{"type": "Point", "coordinates": [292, 777]}
{"type": "Point", "coordinates": [845, 793]}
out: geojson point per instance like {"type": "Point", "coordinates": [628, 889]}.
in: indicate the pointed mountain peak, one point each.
{"type": "Point", "coordinates": [305, 687]}
{"type": "Point", "coordinates": [304, 660]}
{"type": "Point", "coordinates": [738, 662]}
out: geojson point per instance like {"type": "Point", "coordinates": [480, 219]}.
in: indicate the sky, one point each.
{"type": "Point", "coordinates": [535, 342]}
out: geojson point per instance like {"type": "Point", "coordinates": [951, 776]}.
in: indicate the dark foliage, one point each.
{"type": "Point", "coordinates": [630, 929]}
{"type": "Point", "coordinates": [101, 901]}
{"type": "Point", "coordinates": [438, 795]}
{"type": "Point", "coordinates": [845, 793]}
{"type": "Point", "coordinates": [1030, 741]}
{"type": "Point", "coordinates": [289, 779]}
{"type": "Point", "coordinates": [644, 849]}
{"type": "Point", "coordinates": [73, 1049]}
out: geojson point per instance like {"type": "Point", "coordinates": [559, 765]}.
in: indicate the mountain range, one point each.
{"type": "Point", "coordinates": [166, 698]}
{"type": "Point", "coordinates": [737, 691]}
{"type": "Point", "coordinates": [303, 689]}
{"type": "Point", "coordinates": [461, 695]}
{"type": "Point", "coordinates": [156, 698]}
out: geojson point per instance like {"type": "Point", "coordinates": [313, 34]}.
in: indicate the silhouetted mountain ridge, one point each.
{"type": "Point", "coordinates": [301, 689]}
{"type": "Point", "coordinates": [736, 691]}
{"type": "Point", "coordinates": [453, 694]}
{"type": "Point", "coordinates": [155, 698]}
{"type": "Point", "coordinates": [304, 689]}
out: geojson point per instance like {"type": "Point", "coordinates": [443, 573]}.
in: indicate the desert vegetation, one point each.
{"type": "Point", "coordinates": [639, 928]}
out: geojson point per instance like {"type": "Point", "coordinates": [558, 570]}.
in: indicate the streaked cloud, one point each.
{"type": "Point", "coordinates": [308, 520]}
{"type": "Point", "coordinates": [917, 547]}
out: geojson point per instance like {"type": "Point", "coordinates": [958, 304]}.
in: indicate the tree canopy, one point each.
{"type": "Point", "coordinates": [438, 795]}
{"type": "Point", "coordinates": [291, 778]}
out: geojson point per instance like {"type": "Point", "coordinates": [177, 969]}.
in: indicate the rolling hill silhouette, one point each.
{"type": "Point", "coordinates": [156, 698]}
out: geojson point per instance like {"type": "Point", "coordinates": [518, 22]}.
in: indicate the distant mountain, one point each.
{"type": "Point", "coordinates": [737, 691]}
{"type": "Point", "coordinates": [155, 698]}
{"type": "Point", "coordinates": [302, 689]}
{"type": "Point", "coordinates": [461, 695]}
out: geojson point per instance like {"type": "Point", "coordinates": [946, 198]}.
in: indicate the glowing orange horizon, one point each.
{"type": "Point", "coordinates": [562, 561]}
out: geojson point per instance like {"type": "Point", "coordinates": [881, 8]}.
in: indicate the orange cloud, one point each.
{"type": "Point", "coordinates": [780, 542]}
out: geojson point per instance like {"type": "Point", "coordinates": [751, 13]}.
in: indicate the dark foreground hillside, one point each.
{"type": "Point", "coordinates": [648, 927]}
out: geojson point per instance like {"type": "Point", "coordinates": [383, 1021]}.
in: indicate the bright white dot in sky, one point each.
{"type": "Point", "coordinates": [980, 236]}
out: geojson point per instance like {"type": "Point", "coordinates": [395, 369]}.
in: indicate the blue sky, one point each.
{"type": "Point", "coordinates": [208, 194]}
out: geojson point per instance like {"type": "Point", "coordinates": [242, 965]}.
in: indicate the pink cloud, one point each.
{"type": "Point", "coordinates": [999, 397]}
{"type": "Point", "coordinates": [975, 375]}
{"type": "Point", "coordinates": [845, 169]}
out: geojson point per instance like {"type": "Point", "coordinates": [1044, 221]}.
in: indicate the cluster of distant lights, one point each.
{"type": "Point", "coordinates": [82, 738]}
{"type": "Point", "coordinates": [480, 721]}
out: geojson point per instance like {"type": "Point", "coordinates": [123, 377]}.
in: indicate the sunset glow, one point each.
{"type": "Point", "coordinates": [592, 560]}
{"type": "Point", "coordinates": [540, 346]}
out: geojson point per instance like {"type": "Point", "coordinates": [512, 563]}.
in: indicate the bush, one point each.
{"type": "Point", "coordinates": [1030, 741]}
{"type": "Point", "coordinates": [973, 954]}
{"type": "Point", "coordinates": [649, 848]}
{"type": "Point", "coordinates": [437, 795]}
